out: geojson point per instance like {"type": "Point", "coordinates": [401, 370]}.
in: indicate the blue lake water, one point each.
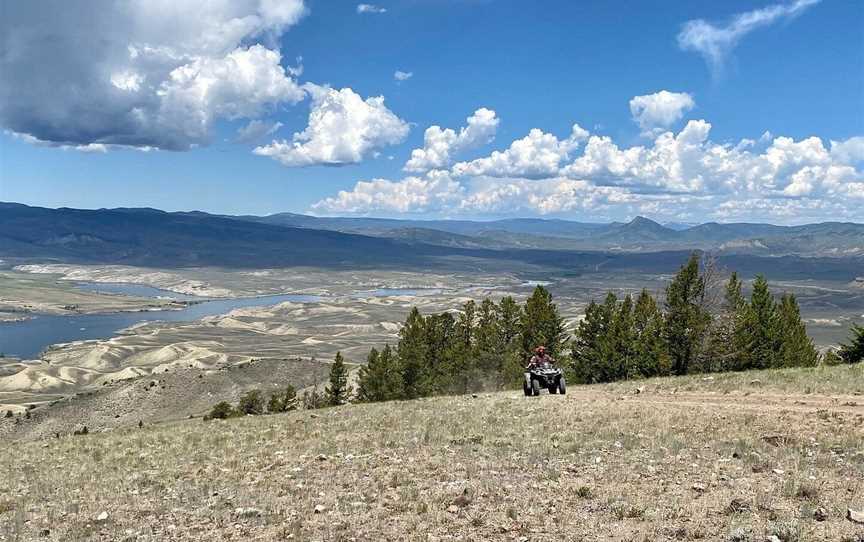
{"type": "Point", "coordinates": [28, 338]}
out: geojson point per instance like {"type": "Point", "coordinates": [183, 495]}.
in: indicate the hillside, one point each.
{"type": "Point", "coordinates": [601, 463]}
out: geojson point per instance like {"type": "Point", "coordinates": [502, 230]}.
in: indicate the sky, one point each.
{"type": "Point", "coordinates": [596, 111]}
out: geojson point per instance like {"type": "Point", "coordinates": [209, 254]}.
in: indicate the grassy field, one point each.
{"type": "Point", "coordinates": [601, 463]}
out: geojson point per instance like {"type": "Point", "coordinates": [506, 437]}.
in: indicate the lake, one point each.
{"type": "Point", "coordinates": [27, 339]}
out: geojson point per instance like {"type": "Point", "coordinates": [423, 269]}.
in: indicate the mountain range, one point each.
{"type": "Point", "coordinates": [154, 238]}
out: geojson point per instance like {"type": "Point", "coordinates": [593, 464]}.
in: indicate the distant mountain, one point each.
{"type": "Point", "coordinates": [833, 239]}
{"type": "Point", "coordinates": [153, 238]}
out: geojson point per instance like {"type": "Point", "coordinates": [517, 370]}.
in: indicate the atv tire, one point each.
{"type": "Point", "coordinates": [535, 387]}
{"type": "Point", "coordinates": [527, 389]}
{"type": "Point", "coordinates": [553, 389]}
{"type": "Point", "coordinates": [562, 386]}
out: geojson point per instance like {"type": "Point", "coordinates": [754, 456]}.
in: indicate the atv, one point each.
{"type": "Point", "coordinates": [544, 376]}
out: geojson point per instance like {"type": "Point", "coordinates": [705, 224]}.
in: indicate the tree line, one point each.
{"type": "Point", "coordinates": [703, 324]}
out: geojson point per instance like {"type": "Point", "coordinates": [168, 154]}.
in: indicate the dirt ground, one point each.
{"type": "Point", "coordinates": [633, 461]}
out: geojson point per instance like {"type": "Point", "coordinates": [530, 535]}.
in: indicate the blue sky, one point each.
{"type": "Point", "coordinates": [797, 73]}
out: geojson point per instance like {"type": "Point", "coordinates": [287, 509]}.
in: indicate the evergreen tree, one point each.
{"type": "Point", "coordinates": [686, 320]}
{"type": "Point", "coordinates": [759, 330]}
{"type": "Point", "coordinates": [444, 354]}
{"type": "Point", "coordinates": [509, 318]}
{"type": "Point", "coordinates": [338, 392]}
{"type": "Point", "coordinates": [509, 321]}
{"type": "Point", "coordinates": [853, 351]}
{"type": "Point", "coordinates": [283, 401]}
{"type": "Point", "coordinates": [412, 351]}
{"type": "Point", "coordinates": [379, 379]}
{"type": "Point", "coordinates": [650, 355]}
{"type": "Point", "coordinates": [796, 348]}
{"type": "Point", "coordinates": [591, 347]}
{"type": "Point", "coordinates": [541, 324]}
{"type": "Point", "coordinates": [734, 301]}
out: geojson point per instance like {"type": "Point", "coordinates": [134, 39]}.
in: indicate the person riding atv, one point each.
{"type": "Point", "coordinates": [542, 373]}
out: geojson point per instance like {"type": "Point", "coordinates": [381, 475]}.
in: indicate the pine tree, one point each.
{"type": "Point", "coordinates": [650, 354]}
{"type": "Point", "coordinates": [796, 348]}
{"type": "Point", "coordinates": [686, 320]}
{"type": "Point", "coordinates": [443, 355]}
{"type": "Point", "coordinates": [853, 351]}
{"type": "Point", "coordinates": [412, 351]}
{"type": "Point", "coordinates": [283, 401]}
{"type": "Point", "coordinates": [759, 330]}
{"type": "Point", "coordinates": [592, 350]}
{"type": "Point", "coordinates": [541, 324]}
{"type": "Point", "coordinates": [338, 392]}
{"type": "Point", "coordinates": [509, 321]}
{"type": "Point", "coordinates": [379, 379]}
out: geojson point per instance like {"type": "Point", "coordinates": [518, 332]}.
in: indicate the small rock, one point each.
{"type": "Point", "coordinates": [101, 518]}
{"type": "Point", "coordinates": [639, 390]}
{"type": "Point", "coordinates": [453, 509]}
{"type": "Point", "coordinates": [320, 509]}
{"type": "Point", "coordinates": [820, 514]}
{"type": "Point", "coordinates": [247, 512]}
{"type": "Point", "coordinates": [44, 533]}
{"type": "Point", "coordinates": [855, 516]}
{"type": "Point", "coordinates": [699, 487]}
{"type": "Point", "coordinates": [773, 538]}
{"type": "Point", "coordinates": [321, 457]}
{"type": "Point", "coordinates": [778, 471]}
{"type": "Point", "coordinates": [756, 382]}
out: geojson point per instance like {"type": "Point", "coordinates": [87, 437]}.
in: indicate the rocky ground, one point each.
{"type": "Point", "coordinates": [669, 459]}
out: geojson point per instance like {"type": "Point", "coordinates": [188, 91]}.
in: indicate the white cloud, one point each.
{"type": "Point", "coordinates": [536, 155]}
{"type": "Point", "coordinates": [848, 152]}
{"type": "Point", "coordinates": [660, 110]}
{"type": "Point", "coordinates": [715, 42]}
{"type": "Point", "coordinates": [343, 129]}
{"type": "Point", "coordinates": [399, 75]}
{"type": "Point", "coordinates": [682, 174]}
{"type": "Point", "coordinates": [440, 145]}
{"type": "Point", "coordinates": [434, 192]}
{"type": "Point", "coordinates": [255, 130]}
{"type": "Point", "coordinates": [370, 8]}
{"type": "Point", "coordinates": [141, 73]}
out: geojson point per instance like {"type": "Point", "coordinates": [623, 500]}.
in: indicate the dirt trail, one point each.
{"type": "Point", "coordinates": [732, 401]}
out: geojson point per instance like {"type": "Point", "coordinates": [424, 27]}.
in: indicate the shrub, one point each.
{"type": "Point", "coordinates": [251, 403]}
{"type": "Point", "coordinates": [283, 401]}
{"type": "Point", "coordinates": [221, 411]}
{"type": "Point", "coordinates": [9, 414]}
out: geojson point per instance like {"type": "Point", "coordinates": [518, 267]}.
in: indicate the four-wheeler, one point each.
{"type": "Point", "coordinates": [544, 376]}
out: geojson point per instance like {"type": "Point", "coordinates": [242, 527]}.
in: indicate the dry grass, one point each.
{"type": "Point", "coordinates": [823, 380]}
{"type": "Point", "coordinates": [592, 465]}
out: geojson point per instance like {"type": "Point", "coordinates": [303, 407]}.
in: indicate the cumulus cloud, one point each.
{"type": "Point", "coordinates": [440, 145]}
{"type": "Point", "coordinates": [256, 129]}
{"type": "Point", "coordinates": [399, 75]}
{"type": "Point", "coordinates": [660, 110]}
{"type": "Point", "coordinates": [434, 192]}
{"type": "Point", "coordinates": [370, 8]}
{"type": "Point", "coordinates": [679, 175]}
{"type": "Point", "coordinates": [715, 42]}
{"type": "Point", "coordinates": [142, 73]}
{"type": "Point", "coordinates": [343, 129]}
{"type": "Point", "coordinates": [536, 155]}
